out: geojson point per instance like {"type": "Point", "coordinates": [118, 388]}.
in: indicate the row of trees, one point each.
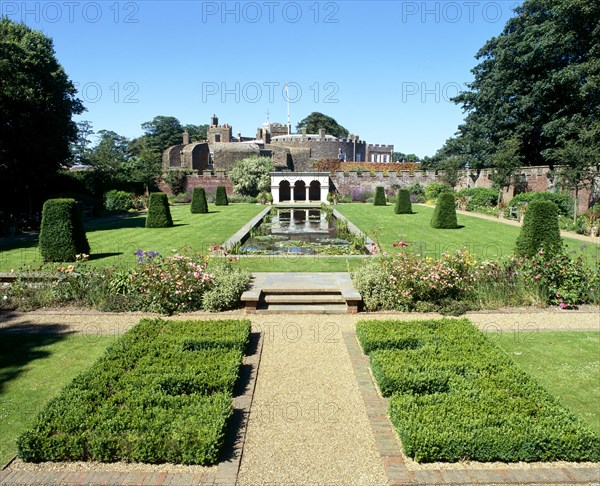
{"type": "Point", "coordinates": [119, 160]}
{"type": "Point", "coordinates": [535, 97]}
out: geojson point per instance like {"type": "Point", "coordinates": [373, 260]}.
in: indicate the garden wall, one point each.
{"type": "Point", "coordinates": [528, 179]}
{"type": "Point", "coordinates": [207, 179]}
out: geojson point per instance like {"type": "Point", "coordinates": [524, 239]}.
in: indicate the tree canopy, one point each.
{"type": "Point", "coordinates": [37, 102]}
{"type": "Point", "coordinates": [537, 84]}
{"type": "Point", "coordinates": [162, 132]}
{"type": "Point", "coordinates": [251, 175]}
{"type": "Point", "coordinates": [316, 120]}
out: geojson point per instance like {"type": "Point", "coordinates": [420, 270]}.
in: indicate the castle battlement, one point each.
{"type": "Point", "coordinates": [380, 147]}
{"type": "Point", "coordinates": [316, 139]}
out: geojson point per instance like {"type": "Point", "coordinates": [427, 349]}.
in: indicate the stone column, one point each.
{"type": "Point", "coordinates": [324, 191]}
{"type": "Point", "coordinates": [275, 193]}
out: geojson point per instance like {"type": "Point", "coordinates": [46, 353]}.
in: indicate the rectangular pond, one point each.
{"type": "Point", "coordinates": [303, 231]}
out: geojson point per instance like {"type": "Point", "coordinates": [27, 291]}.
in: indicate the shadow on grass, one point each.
{"type": "Point", "coordinates": [14, 243]}
{"type": "Point", "coordinates": [100, 256]}
{"type": "Point", "coordinates": [21, 344]}
{"type": "Point", "coordinates": [116, 222]}
{"type": "Point", "coordinates": [459, 226]}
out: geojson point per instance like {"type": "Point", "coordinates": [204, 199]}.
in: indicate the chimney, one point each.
{"type": "Point", "coordinates": [303, 133]}
{"type": "Point", "coordinates": [186, 138]}
{"type": "Point", "coordinates": [321, 134]}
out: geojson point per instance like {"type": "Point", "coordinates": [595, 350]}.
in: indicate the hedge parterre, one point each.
{"type": "Point", "coordinates": [161, 393]}
{"type": "Point", "coordinates": [455, 396]}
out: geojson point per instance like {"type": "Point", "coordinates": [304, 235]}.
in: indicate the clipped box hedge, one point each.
{"type": "Point", "coordinates": [150, 398]}
{"type": "Point", "coordinates": [62, 235]}
{"type": "Point", "coordinates": [455, 396]}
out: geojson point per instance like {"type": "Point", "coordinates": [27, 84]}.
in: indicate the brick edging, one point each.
{"type": "Point", "coordinates": [393, 459]}
{"type": "Point", "coordinates": [228, 470]}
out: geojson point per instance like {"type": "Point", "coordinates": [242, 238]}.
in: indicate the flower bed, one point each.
{"type": "Point", "coordinates": [455, 396]}
{"type": "Point", "coordinates": [161, 393]}
{"type": "Point", "coordinates": [456, 282]}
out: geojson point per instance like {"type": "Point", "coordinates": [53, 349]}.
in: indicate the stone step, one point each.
{"type": "Point", "coordinates": [303, 309]}
{"type": "Point", "coordinates": [300, 289]}
{"type": "Point", "coordinates": [312, 298]}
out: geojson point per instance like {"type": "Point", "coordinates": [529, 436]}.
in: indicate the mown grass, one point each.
{"type": "Point", "coordinates": [33, 368]}
{"type": "Point", "coordinates": [566, 363]}
{"type": "Point", "coordinates": [486, 239]}
{"type": "Point", "coordinates": [115, 240]}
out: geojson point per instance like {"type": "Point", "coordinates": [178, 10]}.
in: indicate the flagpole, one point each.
{"type": "Point", "coordinates": [289, 123]}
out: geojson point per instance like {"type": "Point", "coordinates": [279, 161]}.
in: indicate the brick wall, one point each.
{"type": "Point", "coordinates": [346, 183]}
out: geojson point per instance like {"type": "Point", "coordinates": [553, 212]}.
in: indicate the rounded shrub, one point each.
{"type": "Point", "coordinates": [434, 189]}
{"type": "Point", "coordinates": [379, 199]}
{"type": "Point", "coordinates": [199, 204]}
{"type": "Point", "coordinates": [540, 229]}
{"type": "Point", "coordinates": [563, 201]}
{"type": "Point", "coordinates": [159, 214]}
{"type": "Point", "coordinates": [221, 197]}
{"type": "Point", "coordinates": [403, 204]}
{"type": "Point", "coordinates": [118, 201]}
{"type": "Point", "coordinates": [62, 236]}
{"type": "Point", "coordinates": [444, 214]}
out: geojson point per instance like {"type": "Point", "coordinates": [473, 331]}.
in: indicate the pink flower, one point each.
{"type": "Point", "coordinates": [541, 252]}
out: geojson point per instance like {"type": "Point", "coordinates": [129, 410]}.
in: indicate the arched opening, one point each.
{"type": "Point", "coordinates": [299, 191]}
{"type": "Point", "coordinates": [285, 193]}
{"type": "Point", "coordinates": [314, 191]}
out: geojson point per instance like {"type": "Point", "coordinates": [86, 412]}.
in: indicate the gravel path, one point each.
{"type": "Point", "coordinates": [308, 423]}
{"type": "Point", "coordinates": [587, 318]}
{"type": "Point", "coordinates": [512, 222]}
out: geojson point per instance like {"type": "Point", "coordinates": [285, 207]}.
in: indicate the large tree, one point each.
{"type": "Point", "coordinates": [80, 148]}
{"type": "Point", "coordinates": [37, 102]}
{"type": "Point", "coordinates": [534, 80]}
{"type": "Point", "coordinates": [578, 158]}
{"type": "Point", "coordinates": [111, 152]}
{"type": "Point", "coordinates": [197, 133]}
{"type": "Point", "coordinates": [162, 132]}
{"type": "Point", "coordinates": [316, 120]}
{"type": "Point", "coordinates": [145, 166]}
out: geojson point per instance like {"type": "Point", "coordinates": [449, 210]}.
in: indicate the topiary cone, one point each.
{"type": "Point", "coordinates": [444, 214]}
{"type": "Point", "coordinates": [159, 214]}
{"type": "Point", "coordinates": [61, 232]}
{"type": "Point", "coordinates": [379, 199]}
{"type": "Point", "coordinates": [403, 204]}
{"type": "Point", "coordinates": [540, 229]}
{"type": "Point", "coordinates": [221, 197]}
{"type": "Point", "coordinates": [199, 204]}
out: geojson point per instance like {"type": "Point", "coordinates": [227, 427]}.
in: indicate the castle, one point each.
{"type": "Point", "coordinates": [289, 152]}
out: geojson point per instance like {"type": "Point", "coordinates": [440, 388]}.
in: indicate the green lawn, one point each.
{"type": "Point", "coordinates": [32, 370]}
{"type": "Point", "coordinates": [486, 239]}
{"type": "Point", "coordinates": [114, 241]}
{"type": "Point", "coordinates": [566, 363]}
{"type": "Point", "coordinates": [295, 263]}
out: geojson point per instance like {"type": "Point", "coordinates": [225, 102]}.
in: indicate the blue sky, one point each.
{"type": "Point", "coordinates": [383, 69]}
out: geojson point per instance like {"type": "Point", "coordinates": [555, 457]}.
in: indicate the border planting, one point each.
{"type": "Point", "coordinates": [455, 396]}
{"type": "Point", "coordinates": [161, 393]}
